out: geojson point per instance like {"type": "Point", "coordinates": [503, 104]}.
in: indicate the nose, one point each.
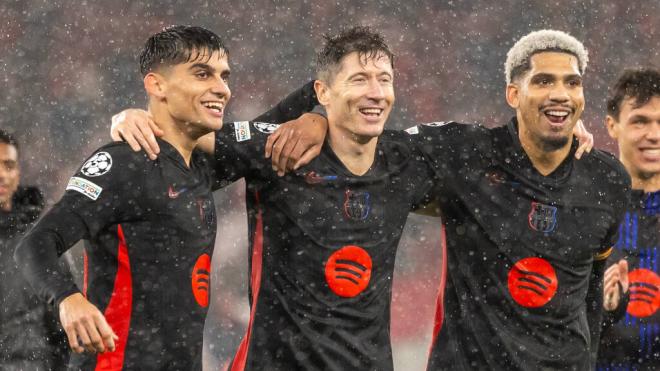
{"type": "Point", "coordinates": [559, 93]}
{"type": "Point", "coordinates": [376, 91]}
{"type": "Point", "coordinates": [654, 131]}
{"type": "Point", "coordinates": [221, 89]}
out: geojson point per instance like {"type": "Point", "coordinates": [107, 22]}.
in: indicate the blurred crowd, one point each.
{"type": "Point", "coordinates": [67, 67]}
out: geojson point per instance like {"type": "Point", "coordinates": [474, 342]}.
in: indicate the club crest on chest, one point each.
{"type": "Point", "coordinates": [357, 205]}
{"type": "Point", "coordinates": [542, 218]}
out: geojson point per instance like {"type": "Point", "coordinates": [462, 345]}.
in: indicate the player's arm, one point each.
{"type": "Point", "coordinates": [137, 128]}
{"type": "Point", "coordinates": [96, 197]}
{"type": "Point", "coordinates": [38, 254]}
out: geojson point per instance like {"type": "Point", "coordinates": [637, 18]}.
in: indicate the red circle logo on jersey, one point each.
{"type": "Point", "coordinates": [532, 282]}
{"type": "Point", "coordinates": [348, 271]}
{"type": "Point", "coordinates": [644, 293]}
{"type": "Point", "coordinates": [201, 279]}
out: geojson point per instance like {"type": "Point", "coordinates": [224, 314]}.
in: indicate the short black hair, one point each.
{"type": "Point", "coordinates": [363, 40]}
{"type": "Point", "coordinates": [179, 44]}
{"type": "Point", "coordinates": [641, 84]}
{"type": "Point", "coordinates": [8, 138]}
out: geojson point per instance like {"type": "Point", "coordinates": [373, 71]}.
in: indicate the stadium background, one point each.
{"type": "Point", "coordinates": [67, 66]}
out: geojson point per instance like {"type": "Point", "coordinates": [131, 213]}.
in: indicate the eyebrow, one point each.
{"type": "Point", "coordinates": [639, 117]}
{"type": "Point", "coordinates": [361, 73]}
{"type": "Point", "coordinates": [207, 67]}
{"type": "Point", "coordinates": [553, 76]}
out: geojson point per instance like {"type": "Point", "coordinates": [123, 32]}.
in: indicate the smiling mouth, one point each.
{"type": "Point", "coordinates": [216, 107]}
{"type": "Point", "coordinates": [372, 112]}
{"type": "Point", "coordinates": [651, 152]}
{"type": "Point", "coordinates": [556, 117]}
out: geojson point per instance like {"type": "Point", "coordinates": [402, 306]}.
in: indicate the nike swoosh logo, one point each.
{"type": "Point", "coordinates": [174, 194]}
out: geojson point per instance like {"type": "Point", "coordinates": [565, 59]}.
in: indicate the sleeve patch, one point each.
{"type": "Point", "coordinates": [412, 130]}
{"type": "Point", "coordinates": [98, 165]}
{"type": "Point", "coordinates": [603, 254]}
{"type": "Point", "coordinates": [436, 124]}
{"type": "Point", "coordinates": [265, 127]}
{"type": "Point", "coordinates": [242, 130]}
{"type": "Point", "coordinates": [85, 187]}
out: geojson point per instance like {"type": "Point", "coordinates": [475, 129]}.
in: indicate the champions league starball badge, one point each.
{"type": "Point", "coordinates": [99, 164]}
{"type": "Point", "coordinates": [265, 127]}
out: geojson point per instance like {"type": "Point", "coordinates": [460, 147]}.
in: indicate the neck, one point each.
{"type": "Point", "coordinates": [6, 206]}
{"type": "Point", "coordinates": [543, 160]}
{"type": "Point", "coordinates": [646, 183]}
{"type": "Point", "coordinates": [179, 134]}
{"type": "Point", "coordinates": [356, 153]}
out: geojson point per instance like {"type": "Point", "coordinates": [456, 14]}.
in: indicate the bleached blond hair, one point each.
{"type": "Point", "coordinates": [517, 59]}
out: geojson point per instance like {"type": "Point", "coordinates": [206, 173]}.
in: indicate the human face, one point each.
{"type": "Point", "coordinates": [9, 174]}
{"type": "Point", "coordinates": [359, 98]}
{"type": "Point", "coordinates": [197, 92]}
{"type": "Point", "coordinates": [548, 100]}
{"type": "Point", "coordinates": [637, 131]}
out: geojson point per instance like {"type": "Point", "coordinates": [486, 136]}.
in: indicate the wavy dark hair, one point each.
{"type": "Point", "coordinates": [363, 40]}
{"type": "Point", "coordinates": [179, 44]}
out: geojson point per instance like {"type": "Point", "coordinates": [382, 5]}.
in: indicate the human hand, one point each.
{"type": "Point", "coordinates": [297, 142]}
{"type": "Point", "coordinates": [85, 326]}
{"type": "Point", "coordinates": [615, 275]}
{"type": "Point", "coordinates": [585, 138]}
{"type": "Point", "coordinates": [137, 128]}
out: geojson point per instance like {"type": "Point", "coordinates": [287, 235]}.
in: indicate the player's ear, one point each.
{"type": "Point", "coordinates": [155, 85]}
{"type": "Point", "coordinates": [322, 92]}
{"type": "Point", "coordinates": [512, 92]}
{"type": "Point", "coordinates": [612, 127]}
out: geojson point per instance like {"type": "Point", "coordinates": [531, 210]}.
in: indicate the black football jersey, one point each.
{"type": "Point", "coordinates": [322, 248]}
{"type": "Point", "coordinates": [150, 229]}
{"type": "Point", "coordinates": [520, 248]}
{"type": "Point", "coordinates": [633, 343]}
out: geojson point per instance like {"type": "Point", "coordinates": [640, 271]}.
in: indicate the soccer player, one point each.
{"type": "Point", "coordinates": [149, 225]}
{"type": "Point", "coordinates": [323, 240]}
{"type": "Point", "coordinates": [633, 119]}
{"type": "Point", "coordinates": [30, 338]}
{"type": "Point", "coordinates": [528, 228]}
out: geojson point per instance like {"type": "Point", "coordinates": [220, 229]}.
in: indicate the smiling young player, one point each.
{"type": "Point", "coordinates": [149, 225]}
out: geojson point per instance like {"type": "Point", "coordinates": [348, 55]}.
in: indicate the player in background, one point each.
{"type": "Point", "coordinates": [149, 226]}
{"type": "Point", "coordinates": [30, 337]}
{"type": "Point", "coordinates": [632, 282]}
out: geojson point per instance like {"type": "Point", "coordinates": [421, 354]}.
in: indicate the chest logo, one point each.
{"type": "Point", "coordinates": [201, 279]}
{"type": "Point", "coordinates": [542, 218]}
{"type": "Point", "coordinates": [532, 282]}
{"type": "Point", "coordinates": [644, 293]}
{"type": "Point", "coordinates": [348, 271]}
{"type": "Point", "coordinates": [357, 205]}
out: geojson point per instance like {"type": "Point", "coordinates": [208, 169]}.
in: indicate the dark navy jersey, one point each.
{"type": "Point", "coordinates": [149, 228]}
{"type": "Point", "coordinates": [520, 249]}
{"type": "Point", "coordinates": [633, 343]}
{"type": "Point", "coordinates": [323, 244]}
